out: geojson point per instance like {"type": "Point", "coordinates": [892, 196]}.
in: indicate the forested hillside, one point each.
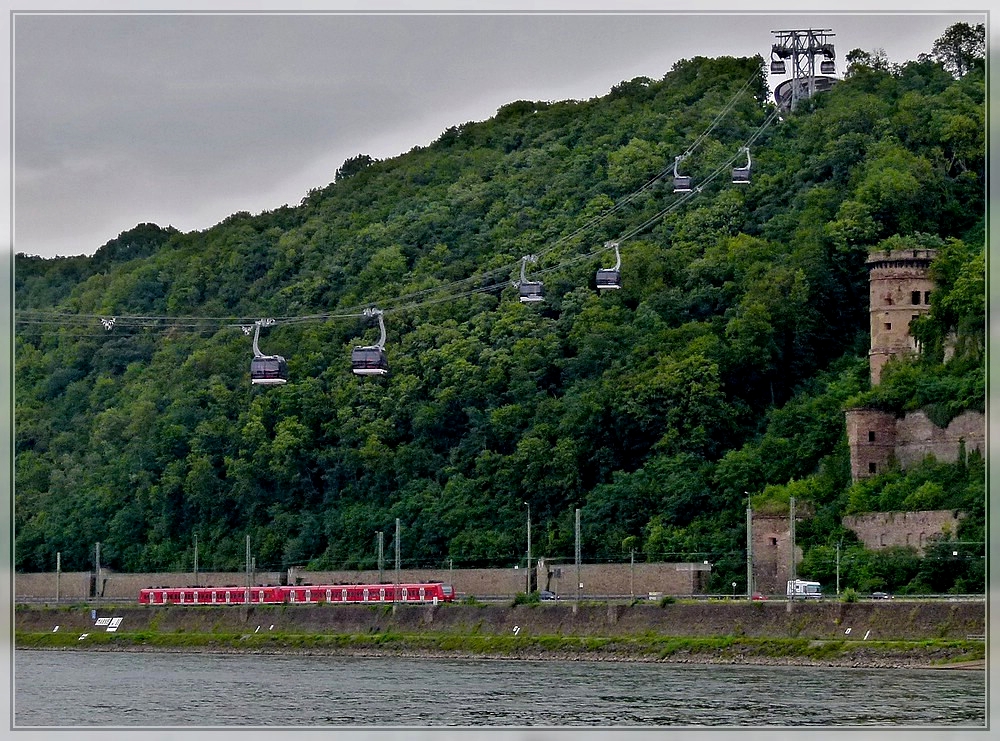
{"type": "Point", "coordinates": [722, 366]}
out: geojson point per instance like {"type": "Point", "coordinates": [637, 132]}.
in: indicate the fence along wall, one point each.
{"type": "Point", "coordinates": [597, 579]}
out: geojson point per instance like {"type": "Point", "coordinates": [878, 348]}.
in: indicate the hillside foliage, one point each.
{"type": "Point", "coordinates": [722, 366]}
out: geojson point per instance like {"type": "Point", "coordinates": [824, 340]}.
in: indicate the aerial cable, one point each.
{"type": "Point", "coordinates": [435, 294]}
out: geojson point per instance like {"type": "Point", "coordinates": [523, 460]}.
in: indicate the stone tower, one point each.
{"type": "Point", "coordinates": [899, 292]}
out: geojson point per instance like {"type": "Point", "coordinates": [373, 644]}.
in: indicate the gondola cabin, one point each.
{"type": "Point", "coordinates": [741, 175]}
{"type": "Point", "coordinates": [682, 184]}
{"type": "Point", "coordinates": [827, 67]}
{"type": "Point", "coordinates": [268, 370]}
{"type": "Point", "coordinates": [369, 361]}
{"type": "Point", "coordinates": [608, 279]}
{"type": "Point", "coordinates": [530, 292]}
{"type": "Point", "coordinates": [777, 67]}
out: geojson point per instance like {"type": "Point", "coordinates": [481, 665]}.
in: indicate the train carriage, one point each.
{"type": "Point", "coordinates": [415, 593]}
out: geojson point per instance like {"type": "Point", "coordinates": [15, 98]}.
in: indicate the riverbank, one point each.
{"type": "Point", "coordinates": [663, 649]}
{"type": "Point", "coordinates": [814, 634]}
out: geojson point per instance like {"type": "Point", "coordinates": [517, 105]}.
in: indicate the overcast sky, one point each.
{"type": "Point", "coordinates": [182, 119]}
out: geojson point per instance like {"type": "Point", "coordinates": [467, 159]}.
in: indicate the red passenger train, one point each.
{"type": "Point", "coordinates": [418, 593]}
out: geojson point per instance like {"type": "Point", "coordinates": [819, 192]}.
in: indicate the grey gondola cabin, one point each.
{"type": "Point", "coordinates": [268, 370]}
{"type": "Point", "coordinates": [369, 361]}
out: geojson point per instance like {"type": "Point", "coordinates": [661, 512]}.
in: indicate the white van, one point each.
{"type": "Point", "coordinates": [799, 589]}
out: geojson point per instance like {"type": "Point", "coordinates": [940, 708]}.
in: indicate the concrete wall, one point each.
{"type": "Point", "coordinates": [598, 579]}
{"type": "Point", "coordinates": [883, 529]}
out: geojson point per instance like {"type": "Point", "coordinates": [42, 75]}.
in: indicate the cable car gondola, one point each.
{"type": "Point", "coordinates": [610, 278]}
{"type": "Point", "coordinates": [266, 370]}
{"type": "Point", "coordinates": [682, 183]}
{"type": "Point", "coordinates": [741, 175]}
{"type": "Point", "coordinates": [777, 65]}
{"type": "Point", "coordinates": [371, 360]}
{"type": "Point", "coordinates": [529, 291]}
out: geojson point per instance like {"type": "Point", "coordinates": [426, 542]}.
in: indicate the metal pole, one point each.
{"type": "Point", "coordinates": [579, 582]}
{"type": "Point", "coordinates": [791, 538]}
{"type": "Point", "coordinates": [196, 560]}
{"type": "Point", "coordinates": [97, 570]}
{"type": "Point", "coordinates": [749, 548]}
{"type": "Point", "coordinates": [631, 576]}
{"type": "Point", "coordinates": [58, 570]}
{"type": "Point", "coordinates": [381, 577]}
{"type": "Point", "coordinates": [396, 586]}
{"type": "Point", "coordinates": [527, 576]}
{"type": "Point", "coordinates": [248, 569]}
{"type": "Point", "coordinates": [838, 568]}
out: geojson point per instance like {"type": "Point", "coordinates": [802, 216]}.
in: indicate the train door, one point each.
{"type": "Point", "coordinates": [308, 595]}
{"type": "Point", "coordinates": [381, 594]}
{"type": "Point", "coordinates": [364, 595]}
{"type": "Point", "coordinates": [404, 594]}
{"type": "Point", "coordinates": [421, 594]}
{"type": "Point", "coordinates": [343, 595]}
{"type": "Point", "coordinates": [228, 597]}
{"type": "Point", "coordinates": [329, 595]}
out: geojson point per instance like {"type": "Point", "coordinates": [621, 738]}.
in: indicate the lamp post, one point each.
{"type": "Point", "coordinates": [527, 589]}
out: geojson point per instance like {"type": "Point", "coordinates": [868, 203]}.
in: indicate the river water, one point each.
{"type": "Point", "coordinates": [117, 689]}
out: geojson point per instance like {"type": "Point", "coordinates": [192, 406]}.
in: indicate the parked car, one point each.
{"type": "Point", "coordinates": [881, 595]}
{"type": "Point", "coordinates": [546, 595]}
{"type": "Point", "coordinates": [758, 596]}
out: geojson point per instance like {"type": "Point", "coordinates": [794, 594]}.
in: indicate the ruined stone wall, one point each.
{"type": "Point", "coordinates": [875, 438]}
{"type": "Point", "coordinates": [917, 437]}
{"type": "Point", "coordinates": [884, 529]}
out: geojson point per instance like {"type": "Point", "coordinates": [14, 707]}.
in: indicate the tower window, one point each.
{"type": "Point", "coordinates": [871, 436]}
{"type": "Point", "coordinates": [888, 325]}
{"type": "Point", "coordinates": [872, 467]}
{"type": "Point", "coordinates": [774, 541]}
{"type": "Point", "coordinates": [915, 297]}
{"type": "Point", "coordinates": [927, 297]}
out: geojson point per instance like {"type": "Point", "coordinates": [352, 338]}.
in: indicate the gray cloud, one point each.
{"type": "Point", "coordinates": [184, 119]}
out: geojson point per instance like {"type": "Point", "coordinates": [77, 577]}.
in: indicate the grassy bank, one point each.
{"type": "Point", "coordinates": [725, 649]}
